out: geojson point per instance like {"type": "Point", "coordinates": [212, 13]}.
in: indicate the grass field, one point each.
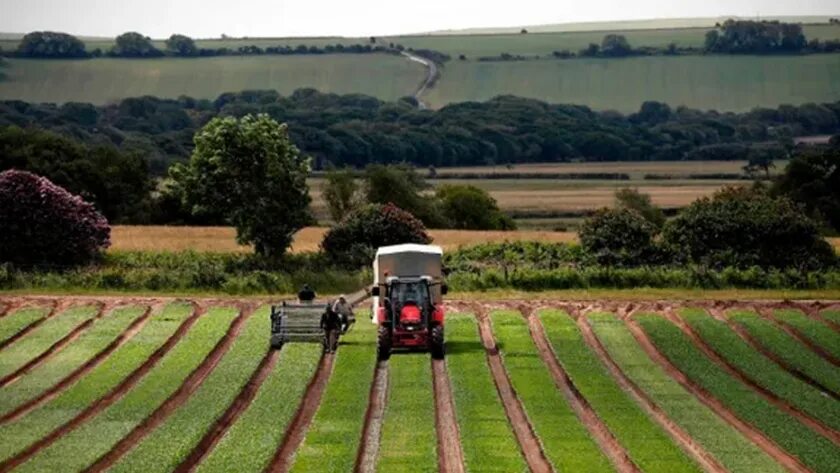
{"type": "Point", "coordinates": [726, 83]}
{"type": "Point", "coordinates": [153, 419]}
{"type": "Point", "coordinates": [100, 81]}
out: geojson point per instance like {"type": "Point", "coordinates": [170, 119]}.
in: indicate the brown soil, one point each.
{"type": "Point", "coordinates": [528, 441]}
{"type": "Point", "coordinates": [793, 332]}
{"type": "Point", "coordinates": [450, 456]}
{"type": "Point", "coordinates": [113, 396]}
{"type": "Point", "coordinates": [584, 411]}
{"type": "Point", "coordinates": [787, 460]}
{"type": "Point", "coordinates": [81, 371]}
{"type": "Point", "coordinates": [236, 408]}
{"type": "Point", "coordinates": [284, 456]}
{"type": "Point", "coordinates": [10, 307]}
{"type": "Point", "coordinates": [680, 436]}
{"type": "Point", "coordinates": [372, 431]}
{"type": "Point", "coordinates": [55, 348]}
{"type": "Point", "coordinates": [187, 388]}
{"type": "Point", "coordinates": [735, 372]}
{"type": "Point", "coordinates": [749, 339]}
{"type": "Point", "coordinates": [55, 307]}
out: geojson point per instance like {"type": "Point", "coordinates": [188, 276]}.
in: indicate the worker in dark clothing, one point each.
{"type": "Point", "coordinates": [306, 294]}
{"type": "Point", "coordinates": [331, 325]}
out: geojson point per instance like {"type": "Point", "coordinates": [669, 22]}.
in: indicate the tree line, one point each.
{"type": "Point", "coordinates": [54, 45]}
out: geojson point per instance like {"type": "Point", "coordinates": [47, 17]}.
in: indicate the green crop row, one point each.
{"type": "Point", "coordinates": [409, 438]}
{"type": "Point", "coordinates": [75, 355]}
{"type": "Point", "coordinates": [813, 330]}
{"type": "Point", "coordinates": [16, 435]}
{"type": "Point", "coordinates": [565, 441]}
{"type": "Point", "coordinates": [789, 349]}
{"type": "Point", "coordinates": [762, 370]}
{"type": "Point", "coordinates": [734, 451]}
{"type": "Point", "coordinates": [332, 440]}
{"type": "Point", "coordinates": [40, 339]}
{"type": "Point", "coordinates": [647, 444]}
{"type": "Point", "coordinates": [86, 444]}
{"type": "Point", "coordinates": [815, 451]}
{"type": "Point", "coordinates": [18, 320]}
{"type": "Point", "coordinates": [168, 445]}
{"type": "Point", "coordinates": [487, 439]}
{"type": "Point", "coordinates": [250, 443]}
{"type": "Point", "coordinates": [832, 316]}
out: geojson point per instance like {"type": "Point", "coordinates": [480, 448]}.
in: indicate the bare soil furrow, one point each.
{"type": "Point", "coordinates": [793, 332]}
{"type": "Point", "coordinates": [237, 407]}
{"type": "Point", "coordinates": [787, 460]}
{"type": "Point", "coordinates": [705, 459]}
{"type": "Point", "coordinates": [783, 405]}
{"type": "Point", "coordinates": [597, 428]}
{"type": "Point", "coordinates": [522, 428]}
{"type": "Point", "coordinates": [81, 371]}
{"type": "Point", "coordinates": [177, 398]}
{"type": "Point", "coordinates": [10, 306]}
{"type": "Point", "coordinates": [450, 456]}
{"type": "Point", "coordinates": [285, 453]}
{"type": "Point", "coordinates": [113, 396]}
{"type": "Point", "coordinates": [372, 430]}
{"type": "Point", "coordinates": [56, 347]}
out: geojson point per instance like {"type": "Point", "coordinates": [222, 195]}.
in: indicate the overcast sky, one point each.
{"type": "Point", "coordinates": [211, 18]}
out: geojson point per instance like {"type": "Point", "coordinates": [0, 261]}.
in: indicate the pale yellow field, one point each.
{"type": "Point", "coordinates": [222, 239]}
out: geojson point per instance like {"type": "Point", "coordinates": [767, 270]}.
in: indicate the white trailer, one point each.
{"type": "Point", "coordinates": [408, 261]}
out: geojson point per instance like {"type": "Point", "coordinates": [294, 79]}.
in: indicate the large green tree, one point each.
{"type": "Point", "coordinates": [248, 170]}
{"type": "Point", "coordinates": [468, 207]}
{"type": "Point", "coordinates": [133, 44]}
{"type": "Point", "coordinates": [48, 44]}
{"type": "Point", "coordinates": [812, 178]}
{"type": "Point", "coordinates": [341, 193]}
{"type": "Point", "coordinates": [180, 45]}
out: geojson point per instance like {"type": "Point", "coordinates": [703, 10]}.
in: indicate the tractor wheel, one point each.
{"type": "Point", "coordinates": [383, 343]}
{"type": "Point", "coordinates": [436, 343]}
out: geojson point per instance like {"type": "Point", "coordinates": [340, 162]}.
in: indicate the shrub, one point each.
{"type": "Point", "coordinates": [743, 227]}
{"type": "Point", "coordinates": [44, 224]}
{"type": "Point", "coordinates": [354, 240]}
{"type": "Point", "coordinates": [632, 199]}
{"type": "Point", "coordinates": [618, 237]}
{"type": "Point", "coordinates": [470, 208]}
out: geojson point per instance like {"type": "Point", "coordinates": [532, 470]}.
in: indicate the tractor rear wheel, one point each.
{"type": "Point", "coordinates": [383, 343]}
{"type": "Point", "coordinates": [436, 343]}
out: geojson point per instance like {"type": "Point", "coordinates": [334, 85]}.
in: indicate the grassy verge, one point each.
{"type": "Point", "coordinates": [84, 445]}
{"type": "Point", "coordinates": [409, 439]}
{"type": "Point", "coordinates": [251, 442]}
{"type": "Point", "coordinates": [333, 437]}
{"type": "Point", "coordinates": [75, 355]}
{"type": "Point", "coordinates": [646, 443]}
{"type": "Point", "coordinates": [169, 444]}
{"type": "Point", "coordinates": [40, 339]}
{"type": "Point", "coordinates": [487, 439]}
{"type": "Point", "coordinates": [728, 446]}
{"type": "Point", "coordinates": [761, 369]}
{"type": "Point", "coordinates": [18, 434]}
{"type": "Point", "coordinates": [565, 440]}
{"type": "Point", "coordinates": [18, 320]}
{"type": "Point", "coordinates": [815, 451]}
{"type": "Point", "coordinates": [789, 349]}
{"type": "Point", "coordinates": [814, 330]}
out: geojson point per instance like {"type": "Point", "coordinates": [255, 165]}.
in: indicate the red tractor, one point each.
{"type": "Point", "coordinates": [408, 302]}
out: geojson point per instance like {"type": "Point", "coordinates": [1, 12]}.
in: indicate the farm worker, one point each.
{"type": "Point", "coordinates": [306, 294]}
{"type": "Point", "coordinates": [331, 324]}
{"type": "Point", "coordinates": [345, 311]}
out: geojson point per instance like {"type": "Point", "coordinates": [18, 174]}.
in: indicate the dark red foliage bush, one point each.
{"type": "Point", "coordinates": [41, 224]}
{"type": "Point", "coordinates": [353, 242]}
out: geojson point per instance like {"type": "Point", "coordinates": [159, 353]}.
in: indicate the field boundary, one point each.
{"type": "Point", "coordinates": [53, 391]}
{"type": "Point", "coordinates": [789, 461]}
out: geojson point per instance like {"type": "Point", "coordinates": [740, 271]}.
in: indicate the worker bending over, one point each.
{"type": "Point", "coordinates": [345, 311]}
{"type": "Point", "coordinates": [331, 325]}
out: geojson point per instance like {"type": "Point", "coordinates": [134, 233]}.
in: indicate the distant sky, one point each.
{"type": "Point", "coordinates": [211, 18]}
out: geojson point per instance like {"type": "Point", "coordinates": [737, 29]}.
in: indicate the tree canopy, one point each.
{"type": "Point", "coordinates": [51, 45]}
{"type": "Point", "coordinates": [133, 44]}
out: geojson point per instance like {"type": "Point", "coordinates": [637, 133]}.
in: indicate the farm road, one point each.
{"type": "Point", "coordinates": [431, 77]}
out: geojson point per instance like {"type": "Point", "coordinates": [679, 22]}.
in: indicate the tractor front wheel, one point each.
{"type": "Point", "coordinates": [436, 343]}
{"type": "Point", "coordinates": [383, 343]}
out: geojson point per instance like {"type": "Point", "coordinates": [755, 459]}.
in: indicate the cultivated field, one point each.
{"type": "Point", "coordinates": [148, 384]}
{"type": "Point", "coordinates": [100, 81]}
{"type": "Point", "coordinates": [726, 83]}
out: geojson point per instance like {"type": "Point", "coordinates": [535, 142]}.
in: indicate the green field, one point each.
{"type": "Point", "coordinates": [101, 81]}
{"type": "Point", "coordinates": [726, 83]}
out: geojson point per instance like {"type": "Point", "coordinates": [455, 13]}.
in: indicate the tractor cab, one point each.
{"type": "Point", "coordinates": [408, 303]}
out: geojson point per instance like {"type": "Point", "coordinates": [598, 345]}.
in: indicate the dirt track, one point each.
{"type": "Point", "coordinates": [372, 430]}
{"type": "Point", "coordinates": [450, 457]}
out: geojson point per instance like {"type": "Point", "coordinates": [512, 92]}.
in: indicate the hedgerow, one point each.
{"type": "Point", "coordinates": [16, 435]}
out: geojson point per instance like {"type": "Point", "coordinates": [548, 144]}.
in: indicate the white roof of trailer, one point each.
{"type": "Point", "coordinates": [409, 248]}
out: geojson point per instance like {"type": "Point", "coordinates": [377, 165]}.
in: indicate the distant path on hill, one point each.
{"type": "Point", "coordinates": [431, 77]}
